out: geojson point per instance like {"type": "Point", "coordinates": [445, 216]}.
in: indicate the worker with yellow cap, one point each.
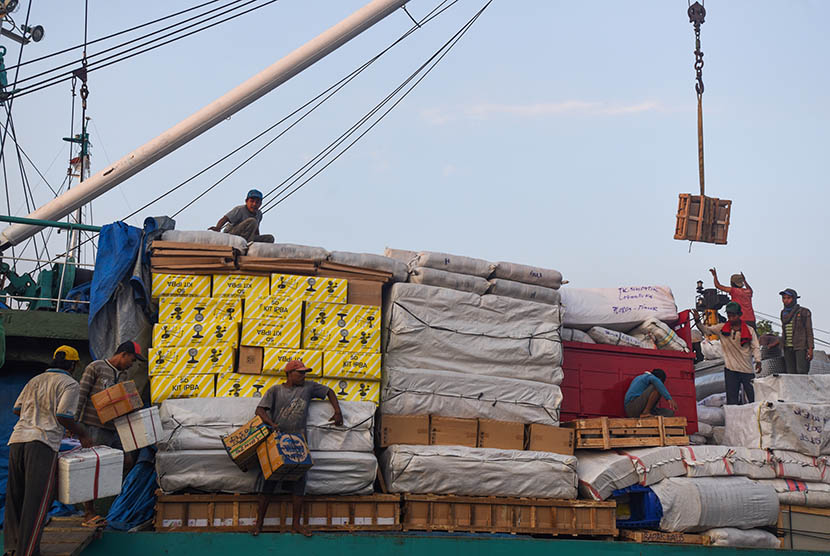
{"type": "Point", "coordinates": [46, 408]}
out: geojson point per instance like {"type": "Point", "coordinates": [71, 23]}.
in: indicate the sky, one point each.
{"type": "Point", "coordinates": [557, 134]}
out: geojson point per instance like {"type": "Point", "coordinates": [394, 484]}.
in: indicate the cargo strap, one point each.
{"type": "Point", "coordinates": [97, 473]}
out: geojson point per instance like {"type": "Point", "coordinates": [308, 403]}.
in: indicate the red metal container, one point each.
{"type": "Point", "coordinates": [597, 376]}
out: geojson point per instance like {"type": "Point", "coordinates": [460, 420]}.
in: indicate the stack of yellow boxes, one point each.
{"type": "Point", "coordinates": [195, 338]}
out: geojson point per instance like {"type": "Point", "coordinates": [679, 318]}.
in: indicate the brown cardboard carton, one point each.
{"type": "Point", "coordinates": [545, 438]}
{"type": "Point", "coordinates": [403, 429]}
{"type": "Point", "coordinates": [451, 431]}
{"type": "Point", "coordinates": [500, 434]}
{"type": "Point", "coordinates": [284, 456]}
{"type": "Point", "coordinates": [242, 444]}
{"type": "Point", "coordinates": [365, 292]}
{"type": "Point", "coordinates": [116, 401]}
{"type": "Point", "coordinates": [250, 360]}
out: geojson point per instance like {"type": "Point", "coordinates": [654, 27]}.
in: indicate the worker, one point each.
{"type": "Point", "coordinates": [797, 333]}
{"type": "Point", "coordinates": [244, 220]}
{"type": "Point", "coordinates": [740, 345]}
{"type": "Point", "coordinates": [741, 293]}
{"type": "Point", "coordinates": [284, 408]}
{"type": "Point", "coordinates": [46, 408]}
{"type": "Point", "coordinates": [100, 375]}
{"type": "Point", "coordinates": [644, 393]}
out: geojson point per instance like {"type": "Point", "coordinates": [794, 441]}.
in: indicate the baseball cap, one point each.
{"type": "Point", "coordinates": [69, 353]}
{"type": "Point", "coordinates": [254, 194]}
{"type": "Point", "coordinates": [132, 348]}
{"type": "Point", "coordinates": [296, 365]}
{"type": "Point", "coordinates": [734, 308]}
{"type": "Point", "coordinates": [789, 291]}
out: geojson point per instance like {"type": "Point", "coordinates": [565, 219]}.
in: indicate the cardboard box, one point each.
{"type": "Point", "coordinates": [234, 385]}
{"type": "Point", "coordinates": [271, 333]}
{"type": "Point", "coordinates": [272, 307]}
{"type": "Point", "coordinates": [365, 292]}
{"type": "Point", "coordinates": [500, 434]}
{"type": "Point", "coordinates": [275, 359]}
{"type": "Point", "coordinates": [196, 334]}
{"type": "Point", "coordinates": [240, 285]}
{"type": "Point", "coordinates": [190, 360]}
{"type": "Point", "coordinates": [116, 401]}
{"type": "Point", "coordinates": [310, 288]}
{"type": "Point", "coordinates": [351, 390]}
{"type": "Point", "coordinates": [139, 429]}
{"type": "Point", "coordinates": [403, 429]}
{"type": "Point", "coordinates": [452, 431]}
{"type": "Point", "coordinates": [333, 327]}
{"type": "Point", "coordinates": [345, 364]}
{"type": "Point", "coordinates": [180, 285]}
{"type": "Point", "coordinates": [284, 457]}
{"type": "Point", "coordinates": [200, 309]}
{"type": "Point", "coordinates": [242, 443]}
{"type": "Point", "coordinates": [165, 387]}
{"type": "Point", "coordinates": [545, 438]}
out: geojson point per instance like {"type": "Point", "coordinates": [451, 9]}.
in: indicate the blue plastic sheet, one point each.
{"type": "Point", "coordinates": [137, 500]}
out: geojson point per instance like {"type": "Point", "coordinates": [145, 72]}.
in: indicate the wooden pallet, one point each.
{"type": "Point", "coordinates": [701, 218]}
{"type": "Point", "coordinates": [606, 433]}
{"type": "Point", "coordinates": [649, 536]}
{"type": "Point", "coordinates": [237, 513]}
{"type": "Point", "coordinates": [491, 514]}
{"type": "Point", "coordinates": [64, 536]}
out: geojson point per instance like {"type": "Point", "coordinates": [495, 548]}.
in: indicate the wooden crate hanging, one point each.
{"type": "Point", "coordinates": [704, 219]}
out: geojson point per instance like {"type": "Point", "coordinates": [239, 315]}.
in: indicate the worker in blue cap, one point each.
{"type": "Point", "coordinates": [244, 220]}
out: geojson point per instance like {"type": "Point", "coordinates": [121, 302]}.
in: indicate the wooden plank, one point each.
{"type": "Point", "coordinates": [161, 244]}
{"type": "Point", "coordinates": [337, 267]}
{"type": "Point", "coordinates": [648, 536]}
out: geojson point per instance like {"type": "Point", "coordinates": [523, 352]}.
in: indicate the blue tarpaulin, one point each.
{"type": "Point", "coordinates": [137, 501]}
{"type": "Point", "coordinates": [118, 246]}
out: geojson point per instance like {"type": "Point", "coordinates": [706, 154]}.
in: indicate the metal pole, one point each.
{"type": "Point", "coordinates": [212, 114]}
{"type": "Point", "coordinates": [49, 223]}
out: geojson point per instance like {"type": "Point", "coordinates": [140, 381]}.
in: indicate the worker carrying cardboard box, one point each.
{"type": "Point", "coordinates": [643, 394]}
{"type": "Point", "coordinates": [284, 407]}
{"type": "Point", "coordinates": [244, 220]}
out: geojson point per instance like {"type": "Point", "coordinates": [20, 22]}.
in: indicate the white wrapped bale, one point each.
{"type": "Point", "coordinates": [662, 335]}
{"type": "Point", "coordinates": [719, 435]}
{"type": "Point", "coordinates": [708, 385]}
{"type": "Point", "coordinates": [704, 429]}
{"type": "Point", "coordinates": [398, 269]}
{"type": "Point", "coordinates": [753, 463]}
{"type": "Point", "coordinates": [451, 280]}
{"type": "Point", "coordinates": [792, 465]}
{"type": "Point", "coordinates": [617, 308]}
{"type": "Point", "coordinates": [355, 435]}
{"type": "Point", "coordinates": [795, 427]}
{"type": "Point", "coordinates": [715, 400]}
{"type": "Point", "coordinates": [517, 290]}
{"type": "Point", "coordinates": [544, 277]}
{"type": "Point", "coordinates": [203, 470]}
{"type": "Point", "coordinates": [453, 263]}
{"type": "Point", "coordinates": [810, 389]}
{"type": "Point", "coordinates": [287, 251]}
{"type": "Point", "coordinates": [708, 461]}
{"type": "Point", "coordinates": [449, 394]}
{"type": "Point", "coordinates": [611, 337]}
{"type": "Point", "coordinates": [601, 473]}
{"type": "Point", "coordinates": [206, 237]}
{"type": "Point", "coordinates": [801, 493]}
{"type": "Point", "coordinates": [699, 504]}
{"type": "Point", "coordinates": [437, 328]}
{"type": "Point", "coordinates": [713, 416]}
{"type": "Point", "coordinates": [478, 472]}
{"type": "Point", "coordinates": [574, 335]}
{"type": "Point", "coordinates": [742, 538]}
{"type": "Point", "coordinates": [341, 473]}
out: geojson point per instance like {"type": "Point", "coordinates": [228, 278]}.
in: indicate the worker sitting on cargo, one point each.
{"type": "Point", "coordinates": [244, 220]}
{"type": "Point", "coordinates": [100, 375]}
{"type": "Point", "coordinates": [740, 345]}
{"type": "Point", "coordinates": [284, 407]}
{"type": "Point", "coordinates": [644, 393]}
{"type": "Point", "coordinates": [741, 293]}
{"type": "Point", "coordinates": [46, 407]}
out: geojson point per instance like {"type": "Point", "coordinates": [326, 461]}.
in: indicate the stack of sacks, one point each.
{"type": "Point", "coordinates": [450, 271]}
{"type": "Point", "coordinates": [709, 379]}
{"type": "Point", "coordinates": [192, 455]}
{"type": "Point", "coordinates": [525, 282]}
{"type": "Point", "coordinates": [710, 420]}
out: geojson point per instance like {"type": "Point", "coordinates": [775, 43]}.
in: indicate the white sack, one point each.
{"type": "Point", "coordinates": [204, 470]}
{"type": "Point", "coordinates": [812, 389]}
{"type": "Point", "coordinates": [712, 350]}
{"type": "Point", "coordinates": [705, 503]}
{"type": "Point", "coordinates": [697, 439]}
{"type": "Point", "coordinates": [719, 435]}
{"type": "Point", "coordinates": [287, 251]}
{"type": "Point", "coordinates": [356, 434]}
{"type": "Point", "coordinates": [708, 461]}
{"type": "Point", "coordinates": [715, 400]}
{"type": "Point", "coordinates": [398, 269]}
{"type": "Point", "coordinates": [574, 335]}
{"type": "Point", "coordinates": [709, 384]}
{"type": "Point", "coordinates": [449, 394]}
{"type": "Point", "coordinates": [453, 263]}
{"type": "Point", "coordinates": [801, 493]}
{"type": "Point", "coordinates": [820, 365]}
{"type": "Point", "coordinates": [517, 290]}
{"type": "Point", "coordinates": [451, 280]}
{"type": "Point", "coordinates": [712, 416]}
{"type": "Point", "coordinates": [611, 337]}
{"type": "Point", "coordinates": [206, 237]}
{"type": "Point", "coordinates": [438, 328]}
{"type": "Point", "coordinates": [478, 472]}
{"type": "Point", "coordinates": [792, 465]}
{"type": "Point", "coordinates": [341, 472]}
{"type": "Point", "coordinates": [617, 308]}
{"type": "Point", "coordinates": [779, 426]}
{"type": "Point", "coordinates": [601, 473]}
{"type": "Point", "coordinates": [742, 538]}
{"type": "Point", "coordinates": [662, 334]}
{"type": "Point", "coordinates": [544, 277]}
{"type": "Point", "coordinates": [704, 429]}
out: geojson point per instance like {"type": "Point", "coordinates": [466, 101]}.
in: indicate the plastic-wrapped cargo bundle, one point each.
{"type": "Point", "coordinates": [574, 335]}
{"type": "Point", "coordinates": [340, 473]}
{"type": "Point", "coordinates": [708, 461]}
{"type": "Point", "coordinates": [708, 385]}
{"type": "Point", "coordinates": [544, 277]}
{"type": "Point", "coordinates": [801, 493]}
{"type": "Point", "coordinates": [617, 308]}
{"type": "Point", "coordinates": [449, 394]}
{"type": "Point", "coordinates": [611, 337]}
{"type": "Point", "coordinates": [437, 328]}
{"type": "Point", "coordinates": [664, 337]}
{"type": "Point", "coordinates": [451, 280]}
{"type": "Point", "coordinates": [705, 429]}
{"type": "Point", "coordinates": [206, 237]}
{"type": "Point", "coordinates": [795, 427]}
{"type": "Point", "coordinates": [715, 400]}
{"type": "Point", "coordinates": [601, 473]}
{"type": "Point", "coordinates": [355, 435]}
{"type": "Point", "coordinates": [699, 504]}
{"type": "Point", "coordinates": [753, 463]}
{"type": "Point", "coordinates": [287, 251]}
{"type": "Point", "coordinates": [792, 465]}
{"type": "Point", "coordinates": [478, 472]}
{"type": "Point", "coordinates": [528, 292]}
{"type": "Point", "coordinates": [453, 263]}
{"type": "Point", "coordinates": [712, 416]}
{"type": "Point", "coordinates": [812, 389]}
{"type": "Point", "coordinates": [398, 269]}
{"type": "Point", "coordinates": [742, 538]}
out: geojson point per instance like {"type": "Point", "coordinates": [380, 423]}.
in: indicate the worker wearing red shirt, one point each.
{"type": "Point", "coordinates": [741, 293]}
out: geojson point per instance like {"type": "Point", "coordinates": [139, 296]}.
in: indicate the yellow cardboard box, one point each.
{"type": "Point", "coordinates": [333, 327]}
{"type": "Point", "coordinates": [233, 385]}
{"type": "Point", "coordinates": [180, 285]}
{"type": "Point", "coordinates": [351, 390]}
{"type": "Point", "coordinates": [310, 288]}
{"type": "Point", "coordinates": [164, 387]}
{"type": "Point", "coordinates": [351, 364]}
{"type": "Point", "coordinates": [200, 309]}
{"type": "Point", "coordinates": [240, 285]}
{"type": "Point", "coordinates": [275, 359]}
{"type": "Point", "coordinates": [272, 307]}
{"type": "Point", "coordinates": [196, 334]}
{"type": "Point", "coordinates": [192, 360]}
{"type": "Point", "coordinates": [271, 333]}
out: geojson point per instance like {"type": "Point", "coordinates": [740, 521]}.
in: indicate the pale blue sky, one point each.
{"type": "Point", "coordinates": [555, 133]}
